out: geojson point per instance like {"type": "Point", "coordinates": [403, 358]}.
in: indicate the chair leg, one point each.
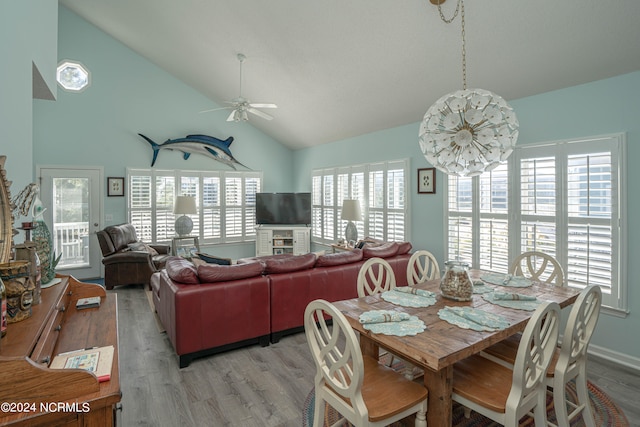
{"type": "Point", "coordinates": [540, 411]}
{"type": "Point", "coordinates": [318, 412]}
{"type": "Point", "coordinates": [467, 412]}
{"type": "Point", "coordinates": [560, 404]}
{"type": "Point", "coordinates": [583, 399]}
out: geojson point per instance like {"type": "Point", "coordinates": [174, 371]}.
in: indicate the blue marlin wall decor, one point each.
{"type": "Point", "coordinates": [209, 146]}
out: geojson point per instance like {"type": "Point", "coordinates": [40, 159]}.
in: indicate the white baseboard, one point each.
{"type": "Point", "coordinates": [615, 357]}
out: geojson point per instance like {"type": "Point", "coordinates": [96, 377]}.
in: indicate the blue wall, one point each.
{"type": "Point", "coordinates": [22, 47]}
{"type": "Point", "coordinates": [602, 107]}
{"type": "Point", "coordinates": [130, 95]}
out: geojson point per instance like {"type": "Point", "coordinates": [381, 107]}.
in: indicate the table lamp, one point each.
{"type": "Point", "coordinates": [185, 205]}
{"type": "Point", "coordinates": [351, 212]}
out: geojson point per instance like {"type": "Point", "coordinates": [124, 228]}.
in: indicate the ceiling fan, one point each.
{"type": "Point", "coordinates": [240, 106]}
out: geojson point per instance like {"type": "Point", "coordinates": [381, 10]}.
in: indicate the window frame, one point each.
{"type": "Point", "coordinates": [215, 213]}
{"type": "Point", "coordinates": [615, 300]}
{"type": "Point", "coordinates": [330, 186]}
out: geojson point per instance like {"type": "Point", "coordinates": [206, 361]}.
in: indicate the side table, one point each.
{"type": "Point", "coordinates": [340, 248]}
{"type": "Point", "coordinates": [184, 246]}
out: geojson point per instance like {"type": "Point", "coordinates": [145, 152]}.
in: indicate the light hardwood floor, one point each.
{"type": "Point", "coordinates": [253, 386]}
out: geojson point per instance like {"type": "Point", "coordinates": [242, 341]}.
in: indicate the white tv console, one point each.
{"type": "Point", "coordinates": [282, 239]}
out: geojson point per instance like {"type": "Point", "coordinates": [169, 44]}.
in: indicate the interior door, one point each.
{"type": "Point", "coordinates": [73, 211]}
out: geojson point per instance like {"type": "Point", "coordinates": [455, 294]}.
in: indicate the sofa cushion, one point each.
{"type": "Point", "coordinates": [404, 247]}
{"type": "Point", "coordinates": [287, 264]}
{"type": "Point", "coordinates": [339, 258]}
{"type": "Point", "coordinates": [385, 250]}
{"type": "Point", "coordinates": [211, 273]}
{"type": "Point", "coordinates": [182, 271]}
{"type": "Point", "coordinates": [121, 235]}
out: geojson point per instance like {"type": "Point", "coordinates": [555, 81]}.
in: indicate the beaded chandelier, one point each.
{"type": "Point", "coordinates": [470, 131]}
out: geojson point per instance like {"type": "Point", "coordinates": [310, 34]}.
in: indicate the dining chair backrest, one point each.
{"type": "Point", "coordinates": [535, 352]}
{"type": "Point", "coordinates": [538, 266]}
{"type": "Point", "coordinates": [335, 351]}
{"type": "Point", "coordinates": [375, 276]}
{"type": "Point", "coordinates": [422, 266]}
{"type": "Point", "coordinates": [506, 395]}
{"type": "Point", "coordinates": [341, 370]}
{"type": "Point", "coordinates": [572, 361]}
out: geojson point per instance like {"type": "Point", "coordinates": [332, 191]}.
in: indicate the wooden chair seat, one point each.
{"type": "Point", "coordinates": [378, 377]}
{"type": "Point", "coordinates": [361, 389]}
{"type": "Point", "coordinates": [490, 382]}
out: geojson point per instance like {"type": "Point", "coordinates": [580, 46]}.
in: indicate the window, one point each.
{"type": "Point", "coordinates": [565, 199]}
{"type": "Point", "coordinates": [225, 200]}
{"type": "Point", "coordinates": [381, 189]}
{"type": "Point", "coordinates": [73, 76]}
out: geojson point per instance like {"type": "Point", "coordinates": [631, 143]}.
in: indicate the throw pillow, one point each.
{"type": "Point", "coordinates": [404, 247]}
{"type": "Point", "coordinates": [141, 247]}
{"type": "Point", "coordinates": [212, 259]}
{"type": "Point", "coordinates": [386, 250]}
{"type": "Point", "coordinates": [287, 264]}
{"type": "Point", "coordinates": [345, 257]}
{"type": "Point", "coordinates": [211, 273]}
{"type": "Point", "coordinates": [182, 271]}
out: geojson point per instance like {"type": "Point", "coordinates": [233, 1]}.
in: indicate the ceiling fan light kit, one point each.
{"type": "Point", "coordinates": [470, 131]}
{"type": "Point", "coordinates": [241, 106]}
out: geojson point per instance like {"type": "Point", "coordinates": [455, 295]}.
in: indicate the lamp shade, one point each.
{"type": "Point", "coordinates": [185, 205]}
{"type": "Point", "coordinates": [351, 210]}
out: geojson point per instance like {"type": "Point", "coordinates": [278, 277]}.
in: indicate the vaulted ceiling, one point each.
{"type": "Point", "coordinates": [343, 68]}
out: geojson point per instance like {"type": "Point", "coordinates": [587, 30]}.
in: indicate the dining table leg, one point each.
{"type": "Point", "coordinates": [439, 403]}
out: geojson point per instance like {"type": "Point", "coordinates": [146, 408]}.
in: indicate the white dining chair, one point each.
{"type": "Point", "coordinates": [375, 276]}
{"type": "Point", "coordinates": [571, 361]}
{"type": "Point", "coordinates": [536, 266]}
{"type": "Point", "coordinates": [505, 395]}
{"type": "Point", "coordinates": [361, 389]}
{"type": "Point", "coordinates": [422, 266]}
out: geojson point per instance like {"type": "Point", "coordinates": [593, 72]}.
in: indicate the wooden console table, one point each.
{"type": "Point", "coordinates": [31, 394]}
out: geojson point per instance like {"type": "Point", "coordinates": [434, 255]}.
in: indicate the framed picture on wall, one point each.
{"type": "Point", "coordinates": [115, 186]}
{"type": "Point", "coordinates": [427, 181]}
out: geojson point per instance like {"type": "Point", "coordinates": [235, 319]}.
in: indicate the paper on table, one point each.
{"type": "Point", "coordinates": [512, 296]}
{"type": "Point", "coordinates": [414, 291]}
{"type": "Point", "coordinates": [382, 316]}
{"type": "Point", "coordinates": [407, 299]}
{"type": "Point", "coordinates": [506, 280]}
{"type": "Point", "coordinates": [412, 326]}
{"type": "Point", "coordinates": [520, 304]}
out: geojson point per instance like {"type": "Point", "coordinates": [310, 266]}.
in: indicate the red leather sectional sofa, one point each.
{"type": "Point", "coordinates": [211, 308]}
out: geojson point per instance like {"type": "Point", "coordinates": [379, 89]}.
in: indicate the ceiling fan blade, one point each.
{"type": "Point", "coordinates": [214, 109]}
{"type": "Point", "coordinates": [259, 113]}
{"type": "Point", "coordinates": [263, 105]}
{"type": "Point", "coordinates": [231, 116]}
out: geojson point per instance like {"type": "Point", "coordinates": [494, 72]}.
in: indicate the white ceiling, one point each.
{"type": "Point", "coordinates": [342, 68]}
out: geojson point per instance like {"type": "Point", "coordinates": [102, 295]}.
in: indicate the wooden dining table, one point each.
{"type": "Point", "coordinates": [442, 344]}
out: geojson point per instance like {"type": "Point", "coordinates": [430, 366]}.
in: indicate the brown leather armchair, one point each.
{"type": "Point", "coordinates": [127, 261]}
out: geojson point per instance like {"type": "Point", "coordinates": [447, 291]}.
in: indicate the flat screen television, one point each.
{"type": "Point", "coordinates": [283, 208]}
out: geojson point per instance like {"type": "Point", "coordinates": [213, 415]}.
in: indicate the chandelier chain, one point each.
{"type": "Point", "coordinates": [459, 9]}
{"type": "Point", "coordinates": [464, 49]}
{"type": "Point", "coordinates": [450, 20]}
